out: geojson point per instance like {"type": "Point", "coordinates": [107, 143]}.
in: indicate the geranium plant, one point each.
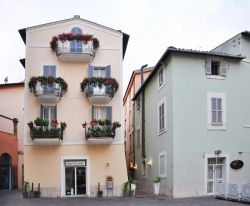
{"type": "Point", "coordinates": [85, 38]}
{"type": "Point", "coordinates": [47, 81]}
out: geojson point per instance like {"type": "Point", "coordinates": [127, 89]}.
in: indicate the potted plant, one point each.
{"type": "Point", "coordinates": [157, 183]}
{"type": "Point", "coordinates": [26, 188]}
{"type": "Point", "coordinates": [133, 183]}
{"type": "Point", "coordinates": [125, 189]}
{"type": "Point", "coordinates": [99, 193]}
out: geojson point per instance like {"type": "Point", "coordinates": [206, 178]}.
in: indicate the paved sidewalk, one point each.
{"type": "Point", "coordinates": [14, 198]}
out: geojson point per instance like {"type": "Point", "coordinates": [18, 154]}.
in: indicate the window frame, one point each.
{"type": "Point", "coordinates": [210, 124]}
{"type": "Point", "coordinates": [164, 129]}
{"type": "Point", "coordinates": [49, 113]}
{"type": "Point", "coordinates": [161, 73]}
{"type": "Point", "coordinates": [223, 68]}
{"type": "Point", "coordinates": [160, 154]}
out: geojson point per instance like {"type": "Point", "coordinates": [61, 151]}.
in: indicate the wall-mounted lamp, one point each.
{"type": "Point", "coordinates": [149, 163]}
{"type": "Point", "coordinates": [217, 152]}
{"type": "Point", "coordinates": [240, 152]}
{"type": "Point", "coordinates": [135, 166]}
{"type": "Point", "coordinates": [107, 164]}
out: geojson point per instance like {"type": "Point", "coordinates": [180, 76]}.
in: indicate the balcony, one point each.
{"type": "Point", "coordinates": [48, 90]}
{"type": "Point", "coordinates": [71, 47]}
{"type": "Point", "coordinates": [85, 53]}
{"type": "Point", "coordinates": [100, 131]}
{"type": "Point", "coordinates": [99, 90]}
{"type": "Point", "coordinates": [46, 134]}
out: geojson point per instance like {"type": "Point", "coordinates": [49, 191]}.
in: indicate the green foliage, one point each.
{"type": "Point", "coordinates": [47, 81]}
{"type": "Point", "coordinates": [100, 82]}
{"type": "Point", "coordinates": [157, 179]}
{"type": "Point", "coordinates": [26, 186]}
{"type": "Point", "coordinates": [45, 133]}
{"type": "Point", "coordinates": [40, 122]}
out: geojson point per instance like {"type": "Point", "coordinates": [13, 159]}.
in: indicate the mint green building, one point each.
{"type": "Point", "coordinates": [196, 108]}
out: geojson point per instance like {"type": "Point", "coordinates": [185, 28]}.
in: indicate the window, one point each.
{"type": "Point", "coordinates": [162, 116]}
{"type": "Point", "coordinates": [144, 168]}
{"type": "Point", "coordinates": [216, 111]}
{"type": "Point", "coordinates": [49, 71]}
{"type": "Point", "coordinates": [48, 113]}
{"type": "Point", "coordinates": [162, 162]}
{"type": "Point", "coordinates": [104, 72]}
{"type": "Point", "coordinates": [216, 103]}
{"type": "Point", "coordinates": [102, 112]}
{"type": "Point", "coordinates": [138, 103]}
{"type": "Point", "coordinates": [161, 78]}
{"type": "Point", "coordinates": [216, 68]}
{"type": "Point", "coordinates": [138, 137]}
{"type": "Point", "coordinates": [76, 46]}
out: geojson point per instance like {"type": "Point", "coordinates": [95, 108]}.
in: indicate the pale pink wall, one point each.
{"type": "Point", "coordinates": [11, 105]}
{"type": "Point", "coordinates": [128, 105]}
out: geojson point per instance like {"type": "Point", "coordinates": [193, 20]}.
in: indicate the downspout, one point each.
{"type": "Point", "coordinates": [143, 114]}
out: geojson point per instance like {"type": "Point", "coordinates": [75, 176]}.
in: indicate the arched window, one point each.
{"type": "Point", "coordinates": [76, 46]}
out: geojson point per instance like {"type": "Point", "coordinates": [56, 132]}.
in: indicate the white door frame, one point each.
{"type": "Point", "coordinates": [63, 173]}
{"type": "Point", "coordinates": [206, 156]}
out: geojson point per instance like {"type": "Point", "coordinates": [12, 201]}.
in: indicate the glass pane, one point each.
{"type": "Point", "coordinates": [219, 104]}
{"type": "Point", "coordinates": [53, 112]}
{"type": "Point", "coordinates": [46, 113]}
{"type": "Point", "coordinates": [102, 73]}
{"type": "Point", "coordinates": [213, 104]}
{"type": "Point", "coordinates": [210, 186]}
{"type": "Point", "coordinates": [214, 120]}
{"type": "Point", "coordinates": [219, 172]}
{"type": "Point", "coordinates": [219, 117]}
{"type": "Point", "coordinates": [96, 72]}
{"type": "Point", "coordinates": [220, 160]}
{"type": "Point", "coordinates": [210, 172]}
{"type": "Point", "coordinates": [70, 180]}
{"type": "Point", "coordinates": [211, 160]}
{"type": "Point", "coordinates": [81, 180]}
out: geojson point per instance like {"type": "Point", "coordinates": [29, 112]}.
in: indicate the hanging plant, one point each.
{"type": "Point", "coordinates": [100, 82]}
{"type": "Point", "coordinates": [47, 81]}
{"type": "Point", "coordinates": [85, 38]}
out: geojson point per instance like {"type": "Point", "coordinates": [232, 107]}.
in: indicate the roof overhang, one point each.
{"type": "Point", "coordinates": [171, 50]}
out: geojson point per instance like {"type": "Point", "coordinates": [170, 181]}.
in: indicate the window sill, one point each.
{"type": "Point", "coordinates": [160, 87]}
{"type": "Point", "coordinates": [217, 127]}
{"type": "Point", "coordinates": [162, 132]}
{"type": "Point", "coordinates": [216, 77]}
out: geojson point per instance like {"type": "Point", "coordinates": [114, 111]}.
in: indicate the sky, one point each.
{"type": "Point", "coordinates": [153, 25]}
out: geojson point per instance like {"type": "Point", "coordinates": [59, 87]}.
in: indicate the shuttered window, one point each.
{"type": "Point", "coordinates": [49, 71]}
{"type": "Point", "coordinates": [216, 109]}
{"type": "Point", "coordinates": [216, 67]}
{"type": "Point", "coordinates": [48, 113]}
{"type": "Point", "coordinates": [162, 116]}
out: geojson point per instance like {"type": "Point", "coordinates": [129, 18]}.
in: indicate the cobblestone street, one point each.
{"type": "Point", "coordinates": [14, 198]}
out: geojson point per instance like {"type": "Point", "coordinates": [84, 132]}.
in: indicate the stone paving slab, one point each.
{"type": "Point", "coordinates": [14, 198]}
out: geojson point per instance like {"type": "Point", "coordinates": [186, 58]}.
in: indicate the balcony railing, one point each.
{"type": "Point", "coordinates": [47, 134]}
{"type": "Point", "coordinates": [83, 53]}
{"type": "Point", "coordinates": [100, 131]}
{"type": "Point", "coordinates": [48, 90]}
{"type": "Point", "coordinates": [99, 90]}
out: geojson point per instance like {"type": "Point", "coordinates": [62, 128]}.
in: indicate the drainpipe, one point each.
{"type": "Point", "coordinates": [15, 121]}
{"type": "Point", "coordinates": [143, 114]}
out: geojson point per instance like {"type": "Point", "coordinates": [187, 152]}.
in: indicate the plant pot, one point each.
{"type": "Point", "coordinates": [133, 186]}
{"type": "Point", "coordinates": [25, 194]}
{"type": "Point", "coordinates": [157, 188]}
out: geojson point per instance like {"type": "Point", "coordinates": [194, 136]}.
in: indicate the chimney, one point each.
{"type": "Point", "coordinates": [77, 16]}
{"type": "Point", "coordinates": [15, 121]}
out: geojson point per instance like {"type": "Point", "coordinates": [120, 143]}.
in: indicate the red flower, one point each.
{"type": "Point", "coordinates": [93, 122]}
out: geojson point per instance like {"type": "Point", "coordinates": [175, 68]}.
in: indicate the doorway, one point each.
{"type": "Point", "coordinates": [216, 171]}
{"type": "Point", "coordinates": [5, 172]}
{"type": "Point", "coordinates": [75, 177]}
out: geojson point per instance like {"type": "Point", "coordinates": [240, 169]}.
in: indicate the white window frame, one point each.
{"type": "Point", "coordinates": [160, 85]}
{"type": "Point", "coordinates": [144, 171]}
{"type": "Point", "coordinates": [99, 110]}
{"type": "Point", "coordinates": [222, 96]}
{"type": "Point", "coordinates": [49, 114]}
{"type": "Point", "coordinates": [162, 175]}
{"type": "Point", "coordinates": [163, 101]}
{"type": "Point", "coordinates": [138, 139]}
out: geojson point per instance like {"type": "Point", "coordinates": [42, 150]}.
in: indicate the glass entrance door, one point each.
{"type": "Point", "coordinates": [75, 180]}
{"type": "Point", "coordinates": [80, 180]}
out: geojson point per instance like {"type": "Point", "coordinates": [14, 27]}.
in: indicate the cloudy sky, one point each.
{"type": "Point", "coordinates": [153, 25]}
